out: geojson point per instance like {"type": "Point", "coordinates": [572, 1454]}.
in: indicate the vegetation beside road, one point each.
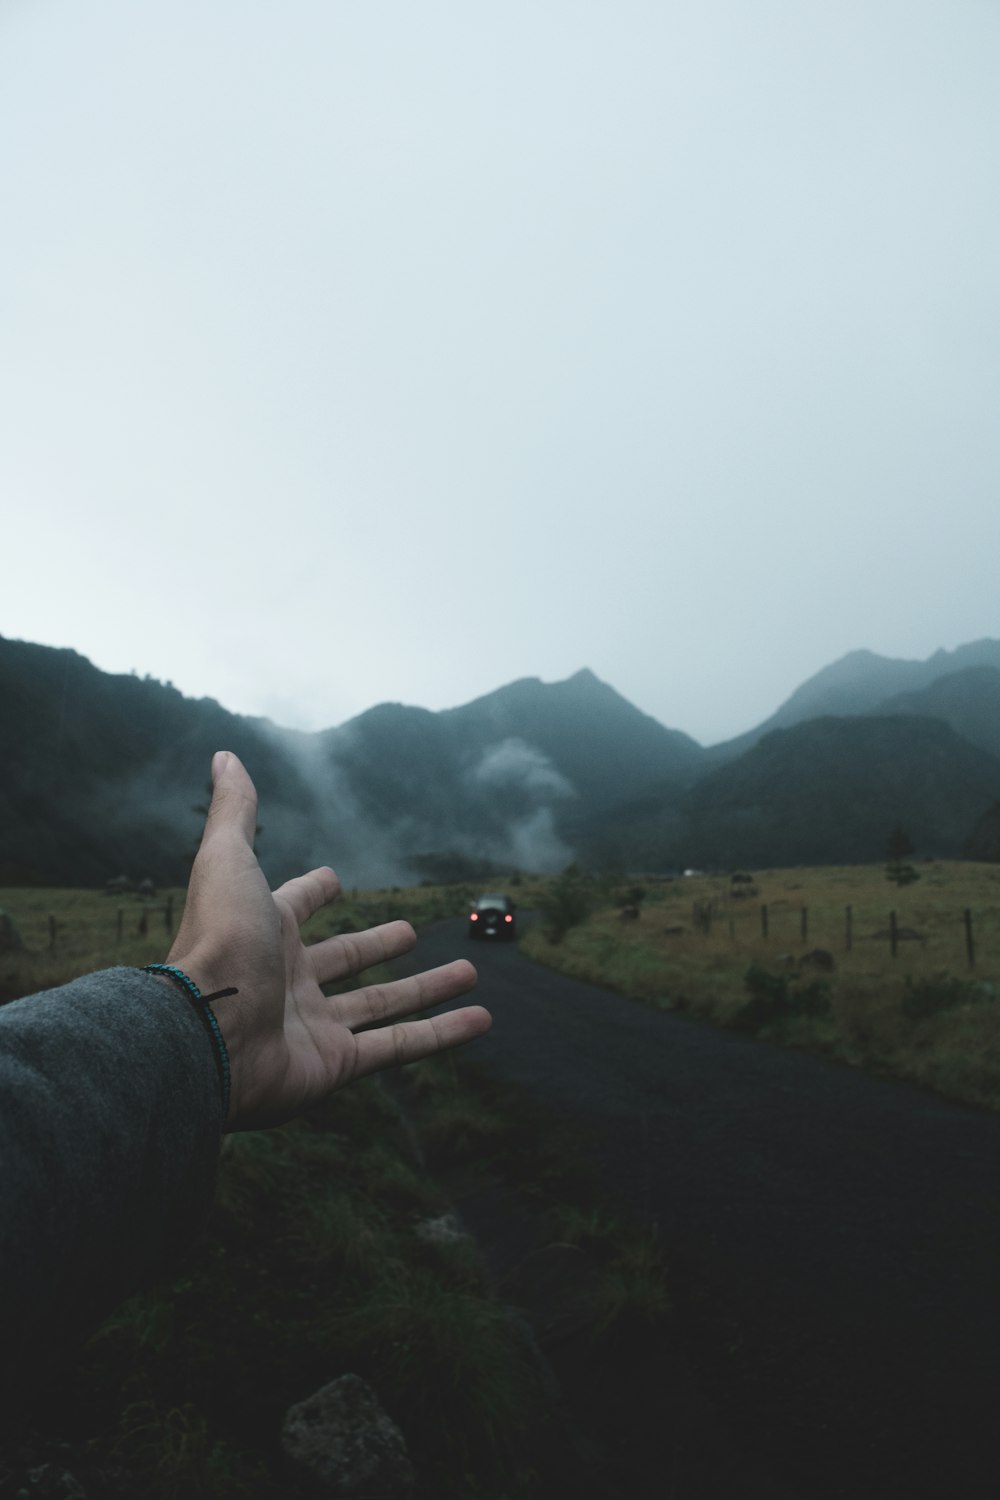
{"type": "Point", "coordinates": [698, 947]}
{"type": "Point", "coordinates": [327, 1254]}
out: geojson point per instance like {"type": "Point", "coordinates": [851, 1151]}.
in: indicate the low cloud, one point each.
{"type": "Point", "coordinates": [515, 763]}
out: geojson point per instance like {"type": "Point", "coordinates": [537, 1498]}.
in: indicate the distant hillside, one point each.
{"type": "Point", "coordinates": [968, 700]}
{"type": "Point", "coordinates": [830, 790]}
{"type": "Point", "coordinates": [99, 774]}
{"type": "Point", "coordinates": [858, 684]}
{"type": "Point", "coordinates": [826, 791]}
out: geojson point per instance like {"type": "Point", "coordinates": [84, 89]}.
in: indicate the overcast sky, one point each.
{"type": "Point", "coordinates": [355, 350]}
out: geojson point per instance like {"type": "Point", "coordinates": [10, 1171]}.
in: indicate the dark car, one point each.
{"type": "Point", "coordinates": [492, 917]}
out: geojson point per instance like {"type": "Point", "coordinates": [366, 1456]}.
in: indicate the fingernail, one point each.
{"type": "Point", "coordinates": [220, 761]}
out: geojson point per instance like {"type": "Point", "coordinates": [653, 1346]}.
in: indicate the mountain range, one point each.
{"type": "Point", "coordinates": [103, 774]}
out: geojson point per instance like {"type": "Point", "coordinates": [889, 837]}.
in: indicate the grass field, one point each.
{"type": "Point", "coordinates": [66, 933]}
{"type": "Point", "coordinates": [699, 945]}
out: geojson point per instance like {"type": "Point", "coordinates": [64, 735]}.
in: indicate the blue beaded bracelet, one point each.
{"type": "Point", "coordinates": [201, 1004]}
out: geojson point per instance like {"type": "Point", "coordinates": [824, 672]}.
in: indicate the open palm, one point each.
{"type": "Point", "coordinates": [289, 1044]}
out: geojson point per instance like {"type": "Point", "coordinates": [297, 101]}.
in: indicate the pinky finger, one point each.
{"type": "Point", "coordinates": [408, 1041]}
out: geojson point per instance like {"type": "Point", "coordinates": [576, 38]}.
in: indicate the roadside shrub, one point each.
{"type": "Point", "coordinates": [777, 997]}
{"type": "Point", "coordinates": [928, 997]}
{"type": "Point", "coordinates": [567, 903]}
{"type": "Point", "coordinates": [867, 1013]}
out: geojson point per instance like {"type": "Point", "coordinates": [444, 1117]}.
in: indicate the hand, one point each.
{"type": "Point", "coordinates": [289, 1044]}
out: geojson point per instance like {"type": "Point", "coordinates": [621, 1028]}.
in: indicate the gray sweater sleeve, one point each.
{"type": "Point", "coordinates": [110, 1125]}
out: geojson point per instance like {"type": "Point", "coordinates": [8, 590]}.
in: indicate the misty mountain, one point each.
{"type": "Point", "coordinates": [504, 779]}
{"type": "Point", "coordinates": [577, 738]}
{"type": "Point", "coordinates": [101, 774]}
{"type": "Point", "coordinates": [860, 683]}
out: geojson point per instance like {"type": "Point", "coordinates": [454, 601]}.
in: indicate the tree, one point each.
{"type": "Point", "coordinates": [899, 847]}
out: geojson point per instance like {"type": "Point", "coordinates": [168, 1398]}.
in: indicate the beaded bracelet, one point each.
{"type": "Point", "coordinates": [201, 1003]}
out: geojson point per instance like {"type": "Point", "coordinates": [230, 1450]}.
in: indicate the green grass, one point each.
{"type": "Point", "coordinates": [923, 1015]}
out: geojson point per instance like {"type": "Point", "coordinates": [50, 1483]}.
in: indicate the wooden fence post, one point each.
{"type": "Point", "coordinates": [168, 914]}
{"type": "Point", "coordinates": [121, 920]}
{"type": "Point", "coordinates": [893, 934]}
{"type": "Point", "coordinates": [849, 929]}
{"type": "Point", "coordinates": [763, 922]}
{"type": "Point", "coordinates": [970, 946]}
{"type": "Point", "coordinates": [52, 933]}
{"type": "Point", "coordinates": [143, 926]}
{"type": "Point", "coordinates": [804, 923]}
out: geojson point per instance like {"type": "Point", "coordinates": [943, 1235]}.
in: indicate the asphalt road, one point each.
{"type": "Point", "coordinates": [834, 1239]}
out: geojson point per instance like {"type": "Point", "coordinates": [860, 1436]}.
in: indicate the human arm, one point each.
{"type": "Point", "coordinates": [110, 1108]}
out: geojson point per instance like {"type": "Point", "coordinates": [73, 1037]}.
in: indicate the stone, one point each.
{"type": "Point", "coordinates": [446, 1229]}
{"type": "Point", "coordinates": [342, 1441]}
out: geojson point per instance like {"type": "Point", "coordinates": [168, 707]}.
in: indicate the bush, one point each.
{"type": "Point", "coordinates": [928, 997]}
{"type": "Point", "coordinates": [565, 904]}
{"type": "Point", "coordinates": [777, 997]}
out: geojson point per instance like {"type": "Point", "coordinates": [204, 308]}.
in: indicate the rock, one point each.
{"type": "Point", "coordinates": [346, 1445]}
{"type": "Point", "coordinates": [446, 1229]}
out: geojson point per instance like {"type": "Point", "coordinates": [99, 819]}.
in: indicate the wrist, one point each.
{"type": "Point", "coordinates": [202, 1004]}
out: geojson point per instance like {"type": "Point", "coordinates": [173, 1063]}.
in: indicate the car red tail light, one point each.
{"type": "Point", "coordinates": [508, 918]}
{"type": "Point", "coordinates": [473, 916]}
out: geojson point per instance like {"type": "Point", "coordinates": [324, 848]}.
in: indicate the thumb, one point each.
{"type": "Point", "coordinates": [234, 797]}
